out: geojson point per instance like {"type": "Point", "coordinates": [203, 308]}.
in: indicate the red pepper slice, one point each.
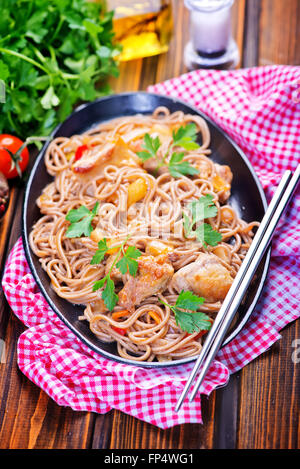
{"type": "Point", "coordinates": [119, 330]}
{"type": "Point", "coordinates": [79, 152]}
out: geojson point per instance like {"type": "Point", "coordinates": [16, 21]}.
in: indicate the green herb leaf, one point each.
{"type": "Point", "coordinates": [128, 262]}
{"type": "Point", "coordinates": [99, 284]}
{"type": "Point", "coordinates": [53, 55]}
{"type": "Point", "coordinates": [187, 321]}
{"type": "Point", "coordinates": [190, 321]}
{"type": "Point", "coordinates": [200, 210]}
{"type": "Point", "coordinates": [144, 155]}
{"type": "Point", "coordinates": [187, 300]}
{"type": "Point", "coordinates": [177, 167]}
{"type": "Point", "coordinates": [109, 296]}
{"type": "Point", "coordinates": [203, 208]}
{"type": "Point", "coordinates": [151, 145]}
{"type": "Point", "coordinates": [49, 99]}
{"type": "Point", "coordinates": [81, 221]}
{"type": "Point", "coordinates": [100, 253]}
{"type": "Point", "coordinates": [207, 235]}
{"type": "Point", "coordinates": [185, 137]}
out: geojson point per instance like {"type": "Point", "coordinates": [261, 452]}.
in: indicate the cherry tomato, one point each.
{"type": "Point", "coordinates": [10, 159]}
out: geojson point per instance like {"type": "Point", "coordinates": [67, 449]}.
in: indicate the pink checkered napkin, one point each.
{"type": "Point", "coordinates": [260, 110]}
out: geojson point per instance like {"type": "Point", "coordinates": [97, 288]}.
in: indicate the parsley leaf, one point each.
{"type": "Point", "coordinates": [192, 322]}
{"type": "Point", "coordinates": [99, 284]}
{"type": "Point", "coordinates": [177, 167]}
{"type": "Point", "coordinates": [186, 315]}
{"type": "Point", "coordinates": [184, 137]}
{"type": "Point", "coordinates": [200, 210]}
{"type": "Point", "coordinates": [203, 208]}
{"type": "Point", "coordinates": [81, 221]}
{"type": "Point", "coordinates": [151, 145]}
{"type": "Point", "coordinates": [128, 262]}
{"type": "Point", "coordinates": [207, 235]}
{"type": "Point", "coordinates": [100, 253]}
{"type": "Point", "coordinates": [187, 300]}
{"type": "Point", "coordinates": [109, 296]}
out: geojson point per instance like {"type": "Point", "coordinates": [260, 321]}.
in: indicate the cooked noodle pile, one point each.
{"type": "Point", "coordinates": [153, 224]}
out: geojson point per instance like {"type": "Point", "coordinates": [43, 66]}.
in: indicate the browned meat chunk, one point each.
{"type": "Point", "coordinates": [206, 277]}
{"type": "Point", "coordinates": [93, 157]}
{"type": "Point", "coordinates": [153, 276]}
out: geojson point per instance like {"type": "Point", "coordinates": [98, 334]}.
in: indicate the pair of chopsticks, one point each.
{"type": "Point", "coordinates": [225, 316]}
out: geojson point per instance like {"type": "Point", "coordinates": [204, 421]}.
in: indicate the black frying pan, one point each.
{"type": "Point", "coordinates": [247, 198]}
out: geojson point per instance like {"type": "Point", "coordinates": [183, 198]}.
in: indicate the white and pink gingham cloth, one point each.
{"type": "Point", "coordinates": [260, 109]}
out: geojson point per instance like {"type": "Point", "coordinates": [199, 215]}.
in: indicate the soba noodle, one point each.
{"type": "Point", "coordinates": [149, 331]}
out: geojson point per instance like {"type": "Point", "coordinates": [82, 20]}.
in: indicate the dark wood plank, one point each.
{"type": "Point", "coordinates": [260, 406]}
{"type": "Point", "coordinates": [127, 432]}
{"type": "Point", "coordinates": [269, 386]}
{"type": "Point", "coordinates": [226, 414]}
{"type": "Point", "coordinates": [251, 33]}
{"type": "Point", "coordinates": [130, 433]}
{"type": "Point", "coordinates": [269, 398]}
{"type": "Point", "coordinates": [28, 417]}
{"type": "Point", "coordinates": [238, 25]}
{"type": "Point", "coordinates": [279, 32]}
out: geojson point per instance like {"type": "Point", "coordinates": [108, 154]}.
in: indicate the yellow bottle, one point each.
{"type": "Point", "coordinates": [143, 28]}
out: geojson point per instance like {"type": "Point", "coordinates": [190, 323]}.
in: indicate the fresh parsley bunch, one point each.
{"type": "Point", "coordinates": [53, 53]}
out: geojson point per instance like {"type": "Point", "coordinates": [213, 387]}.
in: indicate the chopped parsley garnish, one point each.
{"type": "Point", "coordinates": [151, 145]}
{"type": "Point", "coordinates": [200, 210]}
{"type": "Point", "coordinates": [184, 137]}
{"type": "Point", "coordinates": [186, 315]}
{"type": "Point", "coordinates": [81, 221]}
{"type": "Point", "coordinates": [126, 263]}
{"type": "Point", "coordinates": [177, 167]}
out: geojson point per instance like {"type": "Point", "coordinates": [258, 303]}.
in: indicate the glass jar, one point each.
{"type": "Point", "coordinates": [143, 28]}
{"type": "Point", "coordinates": [211, 43]}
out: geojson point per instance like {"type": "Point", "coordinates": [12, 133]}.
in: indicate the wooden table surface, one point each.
{"type": "Point", "coordinates": [259, 408]}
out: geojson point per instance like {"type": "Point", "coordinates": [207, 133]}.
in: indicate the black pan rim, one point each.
{"type": "Point", "coordinates": [36, 277]}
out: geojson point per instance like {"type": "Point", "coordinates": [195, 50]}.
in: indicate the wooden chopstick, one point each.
{"type": "Point", "coordinates": [244, 276]}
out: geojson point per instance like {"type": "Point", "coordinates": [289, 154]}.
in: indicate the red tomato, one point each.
{"type": "Point", "coordinates": [9, 160]}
